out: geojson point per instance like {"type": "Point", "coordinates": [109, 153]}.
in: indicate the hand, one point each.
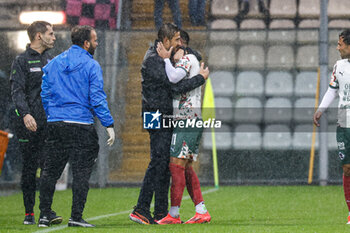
{"type": "Point", "coordinates": [317, 117]}
{"type": "Point", "coordinates": [162, 52]}
{"type": "Point", "coordinates": [204, 72]}
{"type": "Point", "coordinates": [30, 122]}
{"type": "Point", "coordinates": [111, 135]}
{"type": "Point", "coordinates": [179, 54]}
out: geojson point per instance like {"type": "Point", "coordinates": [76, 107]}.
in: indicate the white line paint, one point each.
{"type": "Point", "coordinates": [113, 214]}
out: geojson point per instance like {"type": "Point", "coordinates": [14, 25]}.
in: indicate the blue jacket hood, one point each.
{"type": "Point", "coordinates": [69, 62]}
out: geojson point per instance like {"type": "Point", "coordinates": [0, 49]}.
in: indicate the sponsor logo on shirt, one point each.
{"type": "Point", "coordinates": [33, 62]}
{"type": "Point", "coordinates": [35, 69]}
{"type": "Point", "coordinates": [341, 146]}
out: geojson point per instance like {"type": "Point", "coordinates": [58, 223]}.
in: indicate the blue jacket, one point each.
{"type": "Point", "coordinates": [72, 88]}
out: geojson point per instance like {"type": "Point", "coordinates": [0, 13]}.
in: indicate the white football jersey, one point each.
{"type": "Point", "coordinates": [341, 80]}
{"type": "Point", "coordinates": [188, 106]}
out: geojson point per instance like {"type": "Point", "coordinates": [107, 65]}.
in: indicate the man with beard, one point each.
{"type": "Point", "coordinates": [30, 124]}
{"type": "Point", "coordinates": [158, 90]}
{"type": "Point", "coordinates": [72, 93]}
{"type": "Point", "coordinates": [340, 86]}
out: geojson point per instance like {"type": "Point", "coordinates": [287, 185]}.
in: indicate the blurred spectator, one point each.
{"type": "Point", "coordinates": [4, 120]}
{"type": "Point", "coordinates": [244, 7]}
{"type": "Point", "coordinates": [158, 11]}
{"type": "Point", "coordinates": [100, 14]}
{"type": "Point", "coordinates": [196, 9]}
{"type": "Point", "coordinates": [12, 163]}
{"type": "Point", "coordinates": [4, 99]}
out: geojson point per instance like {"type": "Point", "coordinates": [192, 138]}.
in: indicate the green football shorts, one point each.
{"type": "Point", "coordinates": [343, 140]}
{"type": "Point", "coordinates": [185, 142]}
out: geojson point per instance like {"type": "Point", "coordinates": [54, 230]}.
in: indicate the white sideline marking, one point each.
{"type": "Point", "coordinates": [114, 214]}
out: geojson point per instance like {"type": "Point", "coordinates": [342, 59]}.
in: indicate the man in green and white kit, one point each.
{"type": "Point", "coordinates": [185, 140]}
{"type": "Point", "coordinates": [340, 85]}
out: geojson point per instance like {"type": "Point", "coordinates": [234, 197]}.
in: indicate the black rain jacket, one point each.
{"type": "Point", "coordinates": [25, 80]}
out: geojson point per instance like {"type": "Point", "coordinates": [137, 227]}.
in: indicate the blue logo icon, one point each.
{"type": "Point", "coordinates": [151, 120]}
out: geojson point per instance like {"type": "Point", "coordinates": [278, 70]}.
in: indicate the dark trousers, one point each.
{"type": "Point", "coordinates": [157, 177]}
{"type": "Point", "coordinates": [158, 12]}
{"type": "Point", "coordinates": [196, 10]}
{"type": "Point", "coordinates": [31, 145]}
{"type": "Point", "coordinates": [77, 144]}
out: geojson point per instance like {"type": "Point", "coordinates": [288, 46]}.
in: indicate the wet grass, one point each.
{"type": "Point", "coordinates": [233, 209]}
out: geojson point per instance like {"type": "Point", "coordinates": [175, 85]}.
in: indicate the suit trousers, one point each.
{"type": "Point", "coordinates": [78, 144]}
{"type": "Point", "coordinates": [157, 177]}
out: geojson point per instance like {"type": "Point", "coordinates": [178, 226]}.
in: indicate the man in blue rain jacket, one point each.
{"type": "Point", "coordinates": [72, 93]}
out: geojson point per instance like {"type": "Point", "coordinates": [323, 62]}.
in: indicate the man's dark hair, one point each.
{"type": "Point", "coordinates": [184, 36]}
{"type": "Point", "coordinates": [80, 34]}
{"type": "Point", "coordinates": [167, 30]}
{"type": "Point", "coordinates": [346, 36]}
{"type": "Point", "coordinates": [35, 27]}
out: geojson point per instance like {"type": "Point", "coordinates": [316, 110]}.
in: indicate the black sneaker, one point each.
{"type": "Point", "coordinates": [79, 223]}
{"type": "Point", "coordinates": [29, 219]}
{"type": "Point", "coordinates": [47, 220]}
{"type": "Point", "coordinates": [141, 216]}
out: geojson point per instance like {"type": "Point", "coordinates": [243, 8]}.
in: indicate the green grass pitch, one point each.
{"type": "Point", "coordinates": [233, 209]}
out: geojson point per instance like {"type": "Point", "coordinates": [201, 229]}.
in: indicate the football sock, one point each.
{"type": "Point", "coordinates": [193, 185]}
{"type": "Point", "coordinates": [346, 185]}
{"type": "Point", "coordinates": [178, 183]}
{"type": "Point", "coordinates": [200, 208]}
{"type": "Point", "coordinates": [174, 211]}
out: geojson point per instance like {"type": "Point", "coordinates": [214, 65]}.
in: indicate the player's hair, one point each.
{"type": "Point", "coordinates": [80, 34]}
{"type": "Point", "coordinates": [35, 27]}
{"type": "Point", "coordinates": [184, 35]}
{"type": "Point", "coordinates": [346, 36]}
{"type": "Point", "coordinates": [167, 30]}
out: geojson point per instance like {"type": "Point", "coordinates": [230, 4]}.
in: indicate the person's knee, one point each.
{"type": "Point", "coordinates": [50, 175]}
{"type": "Point", "coordinates": [346, 170]}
